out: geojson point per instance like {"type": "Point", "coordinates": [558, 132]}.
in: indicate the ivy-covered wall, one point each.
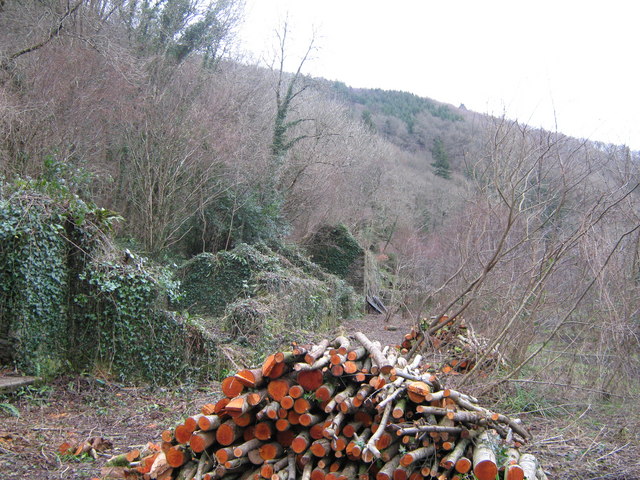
{"type": "Point", "coordinates": [134, 336]}
{"type": "Point", "coordinates": [34, 279]}
{"type": "Point", "coordinates": [70, 300]}
{"type": "Point", "coordinates": [212, 281]}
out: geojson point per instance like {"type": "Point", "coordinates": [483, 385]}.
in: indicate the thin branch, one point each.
{"type": "Point", "coordinates": [571, 310]}
{"type": "Point", "coordinates": [53, 33]}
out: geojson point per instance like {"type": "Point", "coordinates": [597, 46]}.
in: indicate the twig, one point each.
{"type": "Point", "coordinates": [593, 442]}
{"type": "Point", "coordinates": [612, 452]}
{"type": "Point", "coordinates": [54, 32]}
{"type": "Point", "coordinates": [371, 444]}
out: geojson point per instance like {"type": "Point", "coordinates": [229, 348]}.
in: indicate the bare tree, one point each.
{"type": "Point", "coordinates": [521, 274]}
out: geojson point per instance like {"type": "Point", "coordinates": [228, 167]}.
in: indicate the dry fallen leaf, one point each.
{"type": "Point", "coordinates": [58, 415]}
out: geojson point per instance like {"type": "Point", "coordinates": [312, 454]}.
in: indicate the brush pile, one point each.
{"type": "Point", "coordinates": [339, 410]}
{"type": "Point", "coordinates": [454, 348]}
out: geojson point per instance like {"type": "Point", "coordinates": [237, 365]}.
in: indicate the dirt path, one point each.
{"type": "Point", "coordinates": [375, 328]}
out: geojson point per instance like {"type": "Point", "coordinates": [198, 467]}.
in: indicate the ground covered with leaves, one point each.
{"type": "Point", "coordinates": [78, 408]}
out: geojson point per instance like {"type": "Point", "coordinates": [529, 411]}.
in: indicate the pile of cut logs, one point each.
{"type": "Point", "coordinates": [339, 410]}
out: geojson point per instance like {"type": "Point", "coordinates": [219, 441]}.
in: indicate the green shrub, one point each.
{"type": "Point", "coordinates": [231, 220]}
{"type": "Point", "coordinates": [260, 293]}
{"type": "Point", "coordinates": [211, 282]}
{"type": "Point", "coordinates": [286, 299]}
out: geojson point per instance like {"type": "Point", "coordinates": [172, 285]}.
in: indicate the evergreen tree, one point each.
{"type": "Point", "coordinates": [179, 28]}
{"type": "Point", "coordinates": [441, 159]}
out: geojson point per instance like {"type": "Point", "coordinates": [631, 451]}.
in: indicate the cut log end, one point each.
{"type": "Point", "coordinates": [485, 470]}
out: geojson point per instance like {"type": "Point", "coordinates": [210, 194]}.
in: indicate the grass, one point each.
{"type": "Point", "coordinates": [10, 410]}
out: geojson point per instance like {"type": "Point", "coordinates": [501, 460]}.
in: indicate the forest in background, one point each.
{"type": "Point", "coordinates": [141, 108]}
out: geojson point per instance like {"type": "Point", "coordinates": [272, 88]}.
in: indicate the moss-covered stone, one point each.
{"type": "Point", "coordinates": [337, 251]}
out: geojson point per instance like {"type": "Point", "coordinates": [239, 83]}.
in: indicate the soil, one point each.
{"type": "Point", "coordinates": [571, 444]}
{"type": "Point", "coordinates": [376, 328]}
{"type": "Point", "coordinates": [79, 408]}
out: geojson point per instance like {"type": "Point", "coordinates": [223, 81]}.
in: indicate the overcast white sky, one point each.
{"type": "Point", "coordinates": [579, 59]}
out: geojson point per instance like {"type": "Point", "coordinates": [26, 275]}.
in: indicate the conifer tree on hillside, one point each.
{"type": "Point", "coordinates": [178, 28]}
{"type": "Point", "coordinates": [441, 159]}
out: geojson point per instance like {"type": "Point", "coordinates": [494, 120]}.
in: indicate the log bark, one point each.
{"type": "Point", "coordinates": [301, 442]}
{"type": "Point", "coordinates": [351, 428]}
{"type": "Point", "coordinates": [316, 352]}
{"type": "Point", "coordinates": [250, 378]}
{"type": "Point", "coordinates": [529, 465]}
{"type": "Point", "coordinates": [301, 405]}
{"type": "Point", "coordinates": [291, 466]}
{"type": "Point", "coordinates": [264, 430]}
{"type": "Point", "coordinates": [278, 388]}
{"type": "Point", "coordinates": [484, 458]}
{"type": "Point", "coordinates": [160, 465]}
{"type": "Point", "coordinates": [269, 411]}
{"type": "Point", "coordinates": [357, 353]}
{"type": "Point", "coordinates": [379, 360]}
{"type": "Point", "coordinates": [468, 403]}
{"type": "Point", "coordinates": [182, 433]}
{"type": "Point", "coordinates": [296, 391]}
{"type": "Point", "coordinates": [200, 441]}
{"type": "Point", "coordinates": [334, 426]}
{"type": "Point", "coordinates": [306, 472]}
{"type": "Point", "coordinates": [231, 387]}
{"type": "Point", "coordinates": [188, 471]}
{"type": "Point", "coordinates": [192, 422]}
{"type": "Point", "coordinates": [209, 422]}
{"type": "Point", "coordinates": [417, 455]}
{"type": "Point", "coordinates": [177, 456]}
{"type": "Point", "coordinates": [228, 433]}
{"type": "Point", "coordinates": [269, 451]}
{"type": "Point", "coordinates": [428, 428]}
{"type": "Point", "coordinates": [449, 461]}
{"type": "Point", "coordinates": [386, 472]}
{"type": "Point", "coordinates": [325, 391]}
{"type": "Point", "coordinates": [321, 447]}
{"type": "Point", "coordinates": [204, 465]}
{"type": "Point", "coordinates": [310, 380]}
{"type": "Point", "coordinates": [244, 448]}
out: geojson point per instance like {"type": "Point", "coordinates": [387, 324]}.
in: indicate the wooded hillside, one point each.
{"type": "Point", "coordinates": [137, 109]}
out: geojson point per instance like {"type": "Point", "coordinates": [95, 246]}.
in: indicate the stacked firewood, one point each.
{"type": "Point", "coordinates": [341, 410]}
